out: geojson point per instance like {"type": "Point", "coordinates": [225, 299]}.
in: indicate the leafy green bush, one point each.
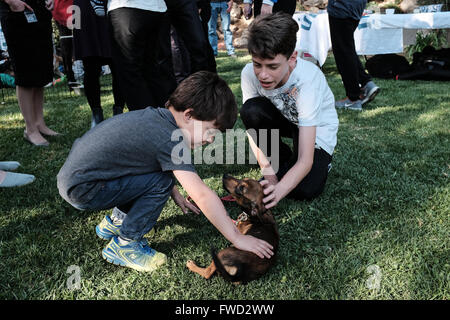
{"type": "Point", "coordinates": [435, 38]}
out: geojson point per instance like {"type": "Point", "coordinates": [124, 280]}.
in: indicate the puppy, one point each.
{"type": "Point", "coordinates": [236, 265]}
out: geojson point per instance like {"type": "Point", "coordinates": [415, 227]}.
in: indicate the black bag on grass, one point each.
{"type": "Point", "coordinates": [430, 64]}
{"type": "Point", "coordinates": [387, 66]}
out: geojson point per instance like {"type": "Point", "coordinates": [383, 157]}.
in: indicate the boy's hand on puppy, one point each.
{"type": "Point", "coordinates": [259, 247]}
{"type": "Point", "coordinates": [272, 192]}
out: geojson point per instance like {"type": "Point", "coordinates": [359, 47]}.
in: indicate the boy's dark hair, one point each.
{"type": "Point", "coordinates": [272, 34]}
{"type": "Point", "coordinates": [209, 97]}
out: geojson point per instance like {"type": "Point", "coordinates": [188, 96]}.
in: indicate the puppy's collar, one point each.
{"type": "Point", "coordinates": [242, 217]}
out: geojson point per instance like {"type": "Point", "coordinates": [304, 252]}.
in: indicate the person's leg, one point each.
{"type": "Point", "coordinates": [287, 6]}
{"type": "Point", "coordinates": [161, 76]}
{"type": "Point", "coordinates": [25, 98]}
{"type": "Point", "coordinates": [180, 57]}
{"type": "Point", "coordinates": [347, 61]}
{"type": "Point", "coordinates": [92, 71]}
{"type": "Point", "coordinates": [141, 197]}
{"type": "Point", "coordinates": [66, 50]}
{"type": "Point", "coordinates": [185, 18]}
{"type": "Point", "coordinates": [257, 7]}
{"type": "Point", "coordinates": [227, 34]}
{"type": "Point", "coordinates": [148, 194]}
{"type": "Point", "coordinates": [260, 114]}
{"type": "Point", "coordinates": [134, 32]}
{"type": "Point", "coordinates": [38, 100]}
{"type": "Point", "coordinates": [212, 27]}
{"type": "Point", "coordinates": [205, 15]}
{"type": "Point", "coordinates": [119, 101]}
{"type": "Point", "coordinates": [314, 182]}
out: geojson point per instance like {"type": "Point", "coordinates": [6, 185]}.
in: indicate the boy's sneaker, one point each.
{"type": "Point", "coordinates": [106, 229]}
{"type": "Point", "coordinates": [348, 104]}
{"type": "Point", "coordinates": [369, 91]}
{"type": "Point", "coordinates": [135, 254]}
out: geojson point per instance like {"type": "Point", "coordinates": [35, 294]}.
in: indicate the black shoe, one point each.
{"type": "Point", "coordinates": [97, 116]}
{"type": "Point", "coordinates": [117, 110]}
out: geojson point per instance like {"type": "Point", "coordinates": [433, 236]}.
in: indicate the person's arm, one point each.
{"type": "Point", "coordinates": [306, 143]}
{"type": "Point", "coordinates": [267, 6]}
{"type": "Point", "coordinates": [212, 207]}
{"type": "Point", "coordinates": [17, 5]}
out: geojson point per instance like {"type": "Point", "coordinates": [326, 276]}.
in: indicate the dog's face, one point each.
{"type": "Point", "coordinates": [248, 194]}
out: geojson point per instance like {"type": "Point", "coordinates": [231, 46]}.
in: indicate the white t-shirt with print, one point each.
{"type": "Point", "coordinates": [150, 5]}
{"type": "Point", "coordinates": [305, 100]}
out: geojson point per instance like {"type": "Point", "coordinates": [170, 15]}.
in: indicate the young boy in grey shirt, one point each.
{"type": "Point", "coordinates": [128, 163]}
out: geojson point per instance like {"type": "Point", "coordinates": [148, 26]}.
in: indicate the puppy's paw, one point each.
{"type": "Point", "coordinates": [190, 264]}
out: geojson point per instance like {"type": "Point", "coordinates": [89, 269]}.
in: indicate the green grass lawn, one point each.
{"type": "Point", "coordinates": [385, 211]}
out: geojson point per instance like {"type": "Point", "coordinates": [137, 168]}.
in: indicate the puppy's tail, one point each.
{"type": "Point", "coordinates": [230, 273]}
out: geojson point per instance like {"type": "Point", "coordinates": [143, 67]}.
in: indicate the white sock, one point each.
{"type": "Point", "coordinates": [123, 241]}
{"type": "Point", "coordinates": [117, 216]}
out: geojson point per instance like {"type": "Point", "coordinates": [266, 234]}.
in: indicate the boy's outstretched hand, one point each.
{"type": "Point", "coordinates": [249, 243]}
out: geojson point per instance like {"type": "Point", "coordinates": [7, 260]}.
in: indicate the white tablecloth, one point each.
{"type": "Point", "coordinates": [430, 20]}
{"type": "Point", "coordinates": [376, 33]}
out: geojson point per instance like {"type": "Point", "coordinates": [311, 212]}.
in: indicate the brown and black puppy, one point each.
{"type": "Point", "coordinates": [236, 265]}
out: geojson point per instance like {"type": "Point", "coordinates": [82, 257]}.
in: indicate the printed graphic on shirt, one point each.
{"type": "Point", "coordinates": [286, 102]}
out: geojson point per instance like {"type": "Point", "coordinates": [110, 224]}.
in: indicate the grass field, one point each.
{"type": "Point", "coordinates": [379, 231]}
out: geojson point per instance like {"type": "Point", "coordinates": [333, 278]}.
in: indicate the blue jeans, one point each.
{"type": "Point", "coordinates": [144, 195]}
{"type": "Point", "coordinates": [216, 9]}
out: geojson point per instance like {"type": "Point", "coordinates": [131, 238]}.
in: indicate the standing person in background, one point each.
{"type": "Point", "coordinates": [344, 17]}
{"type": "Point", "coordinates": [204, 8]}
{"type": "Point", "coordinates": [136, 26]}
{"type": "Point", "coordinates": [27, 28]}
{"type": "Point", "coordinates": [184, 16]}
{"type": "Point", "coordinates": [61, 17]}
{"type": "Point", "coordinates": [268, 7]}
{"type": "Point", "coordinates": [222, 8]}
{"type": "Point", "coordinates": [180, 54]}
{"type": "Point", "coordinates": [92, 44]}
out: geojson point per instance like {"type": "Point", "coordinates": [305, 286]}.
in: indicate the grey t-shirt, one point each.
{"type": "Point", "coordinates": [133, 143]}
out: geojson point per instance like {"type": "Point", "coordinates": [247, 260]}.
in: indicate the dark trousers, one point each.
{"type": "Point", "coordinates": [347, 61]}
{"type": "Point", "coordinates": [259, 113]}
{"type": "Point", "coordinates": [180, 57]}
{"type": "Point", "coordinates": [66, 50]}
{"type": "Point", "coordinates": [287, 6]}
{"type": "Point", "coordinates": [184, 17]}
{"type": "Point", "coordinates": [92, 71]}
{"type": "Point", "coordinates": [136, 34]}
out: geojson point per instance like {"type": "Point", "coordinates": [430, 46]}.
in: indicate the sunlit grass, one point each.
{"type": "Point", "coordinates": [386, 204]}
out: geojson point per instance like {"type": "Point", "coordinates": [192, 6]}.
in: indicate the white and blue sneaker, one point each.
{"type": "Point", "coordinates": [133, 254]}
{"type": "Point", "coordinates": [106, 229]}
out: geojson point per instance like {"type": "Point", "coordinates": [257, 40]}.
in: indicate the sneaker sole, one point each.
{"type": "Point", "coordinates": [355, 109]}
{"type": "Point", "coordinates": [372, 94]}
